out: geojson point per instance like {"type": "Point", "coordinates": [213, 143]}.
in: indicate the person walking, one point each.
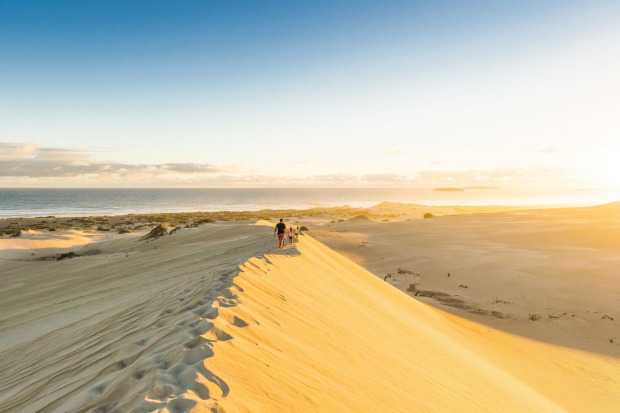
{"type": "Point", "coordinates": [291, 236]}
{"type": "Point", "coordinates": [280, 231]}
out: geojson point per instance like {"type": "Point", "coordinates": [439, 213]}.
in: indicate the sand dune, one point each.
{"type": "Point", "coordinates": [325, 335]}
{"type": "Point", "coordinates": [215, 319]}
{"type": "Point", "coordinates": [551, 275]}
{"type": "Point", "coordinates": [32, 243]}
{"type": "Point", "coordinates": [111, 331]}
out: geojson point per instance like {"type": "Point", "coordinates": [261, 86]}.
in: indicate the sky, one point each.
{"type": "Point", "coordinates": [213, 93]}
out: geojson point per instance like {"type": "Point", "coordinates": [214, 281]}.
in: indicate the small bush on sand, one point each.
{"type": "Point", "coordinates": [158, 231]}
{"type": "Point", "coordinates": [428, 215]}
{"type": "Point", "coordinates": [303, 228]}
{"type": "Point", "coordinates": [66, 255]}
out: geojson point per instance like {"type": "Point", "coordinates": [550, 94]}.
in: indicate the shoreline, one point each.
{"type": "Point", "coordinates": [83, 202]}
{"type": "Point", "coordinates": [384, 211]}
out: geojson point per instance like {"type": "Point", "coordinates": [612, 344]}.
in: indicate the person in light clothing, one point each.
{"type": "Point", "coordinates": [291, 236]}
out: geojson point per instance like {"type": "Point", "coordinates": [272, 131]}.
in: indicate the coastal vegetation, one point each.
{"type": "Point", "coordinates": [133, 222]}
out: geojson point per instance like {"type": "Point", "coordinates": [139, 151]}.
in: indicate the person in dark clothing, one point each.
{"type": "Point", "coordinates": [280, 231]}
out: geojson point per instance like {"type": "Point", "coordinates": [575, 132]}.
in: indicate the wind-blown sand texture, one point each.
{"type": "Point", "coordinates": [214, 319]}
{"type": "Point", "coordinates": [551, 274]}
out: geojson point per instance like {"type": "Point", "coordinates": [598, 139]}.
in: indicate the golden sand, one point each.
{"type": "Point", "coordinates": [214, 318]}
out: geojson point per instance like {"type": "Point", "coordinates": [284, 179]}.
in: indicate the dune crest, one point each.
{"type": "Point", "coordinates": [320, 333]}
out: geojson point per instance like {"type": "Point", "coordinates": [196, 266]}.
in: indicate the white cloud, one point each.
{"type": "Point", "coordinates": [17, 150]}
{"type": "Point", "coordinates": [28, 160]}
{"type": "Point", "coordinates": [549, 150]}
{"type": "Point", "coordinates": [384, 178]}
{"type": "Point", "coordinates": [29, 165]}
{"type": "Point", "coordinates": [396, 153]}
{"type": "Point", "coordinates": [492, 177]}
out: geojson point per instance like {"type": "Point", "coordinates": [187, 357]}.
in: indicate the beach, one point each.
{"type": "Point", "coordinates": [472, 309]}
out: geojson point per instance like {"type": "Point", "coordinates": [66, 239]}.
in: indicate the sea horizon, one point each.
{"type": "Point", "coordinates": [40, 202]}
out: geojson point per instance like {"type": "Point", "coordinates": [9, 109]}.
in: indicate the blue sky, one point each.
{"type": "Point", "coordinates": [324, 93]}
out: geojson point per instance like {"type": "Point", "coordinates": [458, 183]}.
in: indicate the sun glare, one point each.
{"type": "Point", "coordinates": [608, 171]}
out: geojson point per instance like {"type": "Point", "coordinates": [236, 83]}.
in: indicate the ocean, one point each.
{"type": "Point", "coordinates": [84, 202]}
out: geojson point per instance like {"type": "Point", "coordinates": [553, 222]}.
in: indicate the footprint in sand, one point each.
{"type": "Point", "coordinates": [238, 288]}
{"type": "Point", "coordinates": [99, 389]}
{"type": "Point", "coordinates": [221, 384]}
{"type": "Point", "coordinates": [138, 374]}
{"type": "Point", "coordinates": [197, 355]}
{"type": "Point", "coordinates": [201, 327]}
{"type": "Point", "coordinates": [121, 365]}
{"type": "Point", "coordinates": [224, 302]}
{"type": "Point", "coordinates": [201, 310]}
{"type": "Point", "coordinates": [238, 322]}
{"type": "Point", "coordinates": [229, 294]}
{"type": "Point", "coordinates": [163, 391]}
{"type": "Point", "coordinates": [212, 313]}
{"type": "Point", "coordinates": [194, 342]}
{"type": "Point", "coordinates": [163, 365]}
{"type": "Point", "coordinates": [187, 380]}
{"type": "Point", "coordinates": [180, 405]}
{"type": "Point", "coordinates": [218, 335]}
{"type": "Point", "coordinates": [105, 408]}
{"type": "Point", "coordinates": [141, 342]}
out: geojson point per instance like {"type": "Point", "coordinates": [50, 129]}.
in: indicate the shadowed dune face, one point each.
{"type": "Point", "coordinates": [126, 329]}
{"type": "Point", "coordinates": [342, 337]}
{"type": "Point", "coordinates": [552, 275]}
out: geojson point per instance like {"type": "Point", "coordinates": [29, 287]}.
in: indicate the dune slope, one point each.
{"type": "Point", "coordinates": [550, 275]}
{"type": "Point", "coordinates": [214, 319]}
{"type": "Point", "coordinates": [117, 329]}
{"type": "Point", "coordinates": [316, 332]}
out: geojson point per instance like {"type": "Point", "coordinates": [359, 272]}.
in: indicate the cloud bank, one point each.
{"type": "Point", "coordinates": [28, 165]}
{"type": "Point", "coordinates": [28, 160]}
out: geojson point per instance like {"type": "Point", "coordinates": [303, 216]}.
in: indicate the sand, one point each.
{"type": "Point", "coordinates": [215, 318]}
{"type": "Point", "coordinates": [551, 274]}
